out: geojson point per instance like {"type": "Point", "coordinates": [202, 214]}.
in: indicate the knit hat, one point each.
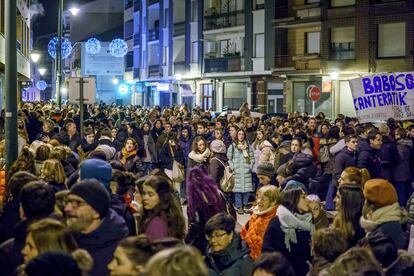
{"type": "Point", "coordinates": [218, 146]}
{"type": "Point", "coordinates": [94, 194]}
{"type": "Point", "coordinates": [380, 192]}
{"type": "Point", "coordinates": [266, 168]}
{"type": "Point", "coordinates": [98, 169]}
{"type": "Point", "coordinates": [108, 150]}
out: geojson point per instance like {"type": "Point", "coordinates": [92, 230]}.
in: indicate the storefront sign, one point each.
{"type": "Point", "coordinates": [382, 96]}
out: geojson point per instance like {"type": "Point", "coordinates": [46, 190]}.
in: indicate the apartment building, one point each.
{"type": "Point", "coordinates": [23, 42]}
{"type": "Point", "coordinates": [209, 53]}
{"type": "Point", "coordinates": [326, 43]}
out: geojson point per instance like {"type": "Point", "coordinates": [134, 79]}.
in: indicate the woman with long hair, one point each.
{"type": "Point", "coordinates": [200, 153]}
{"type": "Point", "coordinates": [241, 160]}
{"type": "Point", "coordinates": [53, 173]}
{"type": "Point", "coordinates": [170, 152]}
{"type": "Point", "coordinates": [129, 158]}
{"type": "Point", "coordinates": [162, 216]}
{"type": "Point", "coordinates": [349, 201]}
{"type": "Point", "coordinates": [156, 130]}
{"type": "Point", "coordinates": [204, 200]}
{"type": "Point", "coordinates": [150, 153]}
{"type": "Point", "coordinates": [49, 235]}
{"type": "Point", "coordinates": [42, 154]}
{"type": "Point", "coordinates": [355, 176]}
{"type": "Point", "coordinates": [260, 137]}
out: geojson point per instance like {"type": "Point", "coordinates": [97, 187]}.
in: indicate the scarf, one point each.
{"type": "Point", "coordinates": [244, 147]}
{"type": "Point", "coordinates": [126, 154]}
{"type": "Point", "coordinates": [199, 157]}
{"type": "Point", "coordinates": [380, 216]}
{"type": "Point", "coordinates": [290, 222]}
{"type": "Point", "coordinates": [261, 213]}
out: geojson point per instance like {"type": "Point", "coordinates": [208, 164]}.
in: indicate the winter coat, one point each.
{"type": "Point", "coordinates": [133, 163]}
{"type": "Point", "coordinates": [166, 158]}
{"type": "Point", "coordinates": [267, 153]}
{"type": "Point", "coordinates": [369, 158]}
{"type": "Point", "coordinates": [254, 230]}
{"type": "Point", "coordinates": [121, 205]}
{"type": "Point", "coordinates": [242, 169]}
{"type": "Point", "coordinates": [300, 253]}
{"type": "Point", "coordinates": [302, 167]}
{"type": "Point", "coordinates": [157, 228]}
{"type": "Point", "coordinates": [337, 147]}
{"type": "Point", "coordinates": [328, 167]}
{"type": "Point", "coordinates": [401, 170]}
{"type": "Point", "coordinates": [215, 168]}
{"type": "Point", "coordinates": [72, 142]}
{"type": "Point", "coordinates": [389, 158]}
{"type": "Point", "coordinates": [185, 145]}
{"type": "Point", "coordinates": [161, 141]}
{"type": "Point", "coordinates": [282, 154]}
{"type": "Point", "coordinates": [9, 218]}
{"type": "Point", "coordinates": [102, 242]}
{"type": "Point", "coordinates": [234, 260]}
{"type": "Point", "coordinates": [344, 159]}
{"type": "Point", "coordinates": [150, 153]}
{"type": "Point", "coordinates": [198, 159]}
{"type": "Point", "coordinates": [250, 135]}
{"type": "Point", "coordinates": [256, 154]}
{"type": "Point", "coordinates": [403, 265]}
{"type": "Point", "coordinates": [155, 133]}
{"type": "Point", "coordinates": [11, 250]}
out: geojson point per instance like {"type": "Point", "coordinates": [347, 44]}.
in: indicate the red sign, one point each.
{"type": "Point", "coordinates": [314, 93]}
{"type": "Point", "coordinates": [326, 87]}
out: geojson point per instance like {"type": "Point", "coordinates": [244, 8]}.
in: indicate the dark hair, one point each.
{"type": "Point", "coordinates": [333, 132]}
{"type": "Point", "coordinates": [197, 139]}
{"type": "Point", "coordinates": [37, 199]}
{"type": "Point", "coordinates": [18, 181]}
{"type": "Point", "coordinates": [372, 134]}
{"type": "Point", "coordinates": [138, 249]}
{"type": "Point", "coordinates": [401, 132]}
{"type": "Point", "coordinates": [290, 199]}
{"type": "Point", "coordinates": [165, 243]}
{"type": "Point", "coordinates": [299, 141]}
{"type": "Point", "coordinates": [348, 130]}
{"type": "Point", "coordinates": [220, 221]}
{"type": "Point", "coordinates": [42, 153]}
{"type": "Point", "coordinates": [328, 243]}
{"type": "Point", "coordinates": [274, 263]}
{"type": "Point", "coordinates": [349, 137]}
{"type": "Point", "coordinates": [124, 181]}
{"type": "Point", "coordinates": [382, 247]}
{"type": "Point", "coordinates": [168, 205]}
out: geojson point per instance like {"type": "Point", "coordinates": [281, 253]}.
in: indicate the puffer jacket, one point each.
{"type": "Point", "coordinates": [282, 154]}
{"type": "Point", "coordinates": [302, 169]}
{"type": "Point", "coordinates": [242, 169]}
{"type": "Point", "coordinates": [328, 167]}
{"type": "Point", "coordinates": [234, 260]}
{"type": "Point", "coordinates": [254, 230]}
{"type": "Point", "coordinates": [267, 152]}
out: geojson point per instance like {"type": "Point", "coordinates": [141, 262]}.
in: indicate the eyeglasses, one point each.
{"type": "Point", "coordinates": [216, 237]}
{"type": "Point", "coordinates": [76, 203]}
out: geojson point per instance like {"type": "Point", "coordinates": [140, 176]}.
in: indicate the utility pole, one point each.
{"type": "Point", "coordinates": [59, 57]}
{"type": "Point", "coordinates": [81, 104]}
{"type": "Point", "coordinates": [11, 84]}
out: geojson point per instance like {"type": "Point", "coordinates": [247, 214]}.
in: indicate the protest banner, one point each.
{"type": "Point", "coordinates": [382, 96]}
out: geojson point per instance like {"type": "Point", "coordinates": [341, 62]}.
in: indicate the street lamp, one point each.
{"type": "Point", "coordinates": [42, 71]}
{"type": "Point", "coordinates": [115, 81]}
{"type": "Point", "coordinates": [74, 11]}
{"type": "Point", "coordinates": [334, 75]}
{"type": "Point", "coordinates": [35, 56]}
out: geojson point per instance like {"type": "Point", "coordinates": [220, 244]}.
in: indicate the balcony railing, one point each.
{"type": "Point", "coordinates": [223, 64]}
{"type": "Point", "coordinates": [154, 34]}
{"type": "Point", "coordinates": [137, 39]}
{"type": "Point", "coordinates": [282, 61]}
{"type": "Point", "coordinates": [179, 67]}
{"type": "Point", "coordinates": [223, 20]}
{"type": "Point", "coordinates": [179, 28]}
{"type": "Point", "coordinates": [153, 70]}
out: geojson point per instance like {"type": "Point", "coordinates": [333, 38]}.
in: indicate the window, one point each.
{"type": "Point", "coordinates": [165, 56]}
{"type": "Point", "coordinates": [391, 40]}
{"type": "Point", "coordinates": [166, 18]}
{"type": "Point", "coordinates": [234, 94]}
{"type": "Point", "coordinates": [259, 45]}
{"type": "Point", "coordinates": [194, 10]}
{"type": "Point", "coordinates": [207, 96]}
{"type": "Point", "coordinates": [224, 47]}
{"type": "Point", "coordinates": [387, 1]}
{"type": "Point", "coordinates": [343, 43]}
{"type": "Point", "coordinates": [342, 3]}
{"type": "Point", "coordinates": [313, 43]}
{"type": "Point", "coordinates": [312, 1]}
{"type": "Point", "coordinates": [259, 4]}
{"type": "Point", "coordinates": [194, 52]}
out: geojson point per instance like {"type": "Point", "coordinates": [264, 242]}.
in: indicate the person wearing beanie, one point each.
{"type": "Point", "coordinates": [97, 226]}
{"type": "Point", "coordinates": [97, 169]}
{"type": "Point", "coordinates": [218, 160]}
{"type": "Point", "coordinates": [382, 213]}
{"type": "Point", "coordinates": [265, 173]}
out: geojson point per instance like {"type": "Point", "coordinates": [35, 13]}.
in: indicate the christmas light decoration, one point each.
{"type": "Point", "coordinates": [118, 47]}
{"type": "Point", "coordinates": [66, 47]}
{"type": "Point", "coordinates": [41, 85]}
{"type": "Point", "coordinates": [93, 46]}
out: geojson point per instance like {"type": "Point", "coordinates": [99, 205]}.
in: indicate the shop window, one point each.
{"type": "Point", "coordinates": [234, 94]}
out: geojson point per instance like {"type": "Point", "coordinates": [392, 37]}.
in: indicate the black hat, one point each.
{"type": "Point", "coordinates": [94, 193]}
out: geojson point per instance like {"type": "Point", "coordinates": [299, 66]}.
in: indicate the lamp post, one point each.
{"type": "Point", "coordinates": [334, 77]}
{"type": "Point", "coordinates": [42, 71]}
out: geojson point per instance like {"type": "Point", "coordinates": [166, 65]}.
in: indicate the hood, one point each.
{"type": "Point", "coordinates": [264, 144]}
{"type": "Point", "coordinates": [405, 142]}
{"type": "Point", "coordinates": [235, 251]}
{"type": "Point", "coordinates": [113, 228]}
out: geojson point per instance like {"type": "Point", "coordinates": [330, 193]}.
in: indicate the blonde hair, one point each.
{"type": "Point", "coordinates": [2, 148]}
{"type": "Point", "coordinates": [178, 261]}
{"type": "Point", "coordinates": [271, 192]}
{"type": "Point", "coordinates": [52, 170]}
{"type": "Point", "coordinates": [357, 176]}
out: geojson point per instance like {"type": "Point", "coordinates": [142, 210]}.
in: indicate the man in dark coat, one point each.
{"type": "Point", "coordinates": [70, 137]}
{"type": "Point", "coordinates": [388, 154]}
{"type": "Point", "coordinates": [347, 157]}
{"type": "Point", "coordinates": [98, 227]}
{"type": "Point", "coordinates": [369, 157]}
{"type": "Point", "coordinates": [37, 201]}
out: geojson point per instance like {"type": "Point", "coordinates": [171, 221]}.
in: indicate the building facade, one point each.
{"type": "Point", "coordinates": [23, 42]}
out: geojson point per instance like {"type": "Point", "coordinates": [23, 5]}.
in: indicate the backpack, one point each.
{"type": "Point", "coordinates": [227, 181]}
{"type": "Point", "coordinates": [324, 154]}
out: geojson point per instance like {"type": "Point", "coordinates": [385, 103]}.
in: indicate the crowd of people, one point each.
{"type": "Point", "coordinates": [151, 191]}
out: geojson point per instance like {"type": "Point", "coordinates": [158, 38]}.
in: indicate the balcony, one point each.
{"type": "Point", "coordinates": [223, 64]}
{"type": "Point", "coordinates": [154, 34]}
{"type": "Point", "coordinates": [179, 28]}
{"type": "Point", "coordinates": [137, 39]}
{"type": "Point", "coordinates": [223, 20]}
{"type": "Point", "coordinates": [299, 16]}
{"type": "Point", "coordinates": [153, 70]}
{"type": "Point", "coordinates": [283, 61]}
{"type": "Point", "coordinates": [179, 67]}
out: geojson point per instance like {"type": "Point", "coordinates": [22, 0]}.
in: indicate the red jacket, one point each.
{"type": "Point", "coordinates": [254, 230]}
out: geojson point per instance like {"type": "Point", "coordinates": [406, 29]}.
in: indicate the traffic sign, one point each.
{"type": "Point", "coordinates": [314, 93]}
